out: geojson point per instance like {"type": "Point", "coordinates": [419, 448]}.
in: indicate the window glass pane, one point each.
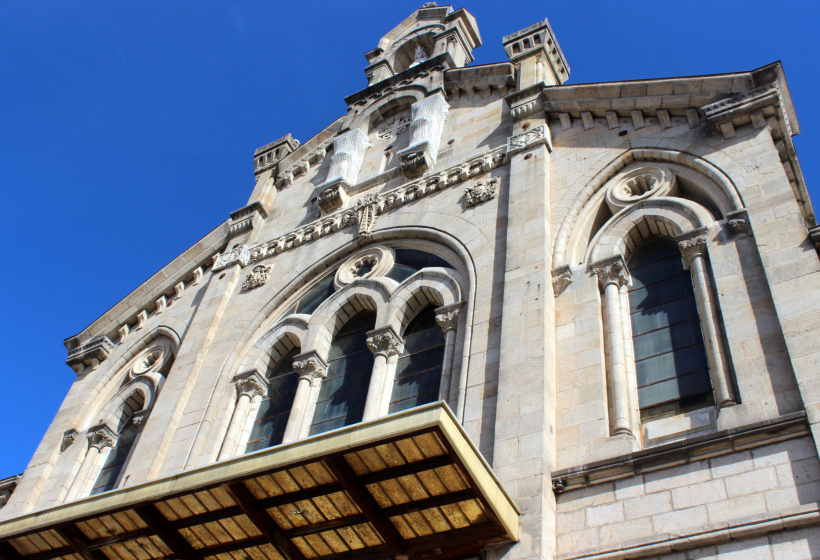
{"type": "Point", "coordinates": [418, 370]}
{"type": "Point", "coordinates": [114, 463]}
{"type": "Point", "coordinates": [274, 410]}
{"type": "Point", "coordinates": [670, 357]}
{"type": "Point", "coordinates": [417, 260]}
{"type": "Point", "coordinates": [400, 273]}
{"type": "Point", "coordinates": [344, 390]}
{"type": "Point", "coordinates": [315, 296]}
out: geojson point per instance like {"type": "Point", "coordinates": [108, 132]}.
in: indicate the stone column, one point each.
{"type": "Point", "coordinates": [611, 276]}
{"type": "Point", "coordinates": [694, 257]}
{"type": "Point", "coordinates": [311, 369]}
{"type": "Point", "coordinates": [99, 437]}
{"type": "Point", "coordinates": [447, 319]}
{"type": "Point", "coordinates": [250, 389]}
{"type": "Point", "coordinates": [384, 343]}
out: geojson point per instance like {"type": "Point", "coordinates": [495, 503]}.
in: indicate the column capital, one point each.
{"type": "Point", "coordinates": [384, 342]}
{"type": "Point", "coordinates": [101, 436]}
{"type": "Point", "coordinates": [250, 383]}
{"type": "Point", "coordinates": [310, 366]}
{"type": "Point", "coordinates": [691, 248]}
{"type": "Point", "coordinates": [612, 271]}
{"type": "Point", "coordinates": [447, 316]}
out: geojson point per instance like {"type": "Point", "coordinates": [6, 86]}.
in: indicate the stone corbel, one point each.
{"type": "Point", "coordinates": [345, 163]}
{"type": "Point", "coordinates": [738, 222]}
{"type": "Point", "coordinates": [561, 278]}
{"type": "Point", "coordinates": [420, 156]}
{"type": "Point", "coordinates": [69, 437]}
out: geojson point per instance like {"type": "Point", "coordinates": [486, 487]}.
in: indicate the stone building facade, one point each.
{"type": "Point", "coordinates": [482, 313]}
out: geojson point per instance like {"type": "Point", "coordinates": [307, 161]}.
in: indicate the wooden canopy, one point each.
{"type": "Point", "coordinates": [410, 484]}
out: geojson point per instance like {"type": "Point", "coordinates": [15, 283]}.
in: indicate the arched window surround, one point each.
{"type": "Point", "coordinates": [686, 223]}
{"type": "Point", "coordinates": [395, 305]}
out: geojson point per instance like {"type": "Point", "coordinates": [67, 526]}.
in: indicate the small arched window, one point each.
{"type": "Point", "coordinates": [269, 426]}
{"type": "Point", "coordinates": [129, 430]}
{"type": "Point", "coordinates": [670, 357]}
{"type": "Point", "coordinates": [418, 370]}
{"type": "Point", "coordinates": [349, 366]}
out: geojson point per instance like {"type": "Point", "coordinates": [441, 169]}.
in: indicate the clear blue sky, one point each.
{"type": "Point", "coordinates": [128, 129]}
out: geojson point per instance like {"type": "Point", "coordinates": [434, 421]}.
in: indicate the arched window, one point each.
{"type": "Point", "coordinates": [109, 477]}
{"type": "Point", "coordinates": [343, 392]}
{"type": "Point", "coordinates": [670, 357]}
{"type": "Point", "coordinates": [269, 426]}
{"type": "Point", "coordinates": [408, 261]}
{"type": "Point", "coordinates": [418, 370]}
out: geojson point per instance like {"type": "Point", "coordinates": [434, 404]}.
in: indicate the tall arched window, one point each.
{"type": "Point", "coordinates": [269, 426]}
{"type": "Point", "coordinates": [129, 430]}
{"type": "Point", "coordinates": [344, 391]}
{"type": "Point", "coordinates": [670, 357]}
{"type": "Point", "coordinates": [418, 370]}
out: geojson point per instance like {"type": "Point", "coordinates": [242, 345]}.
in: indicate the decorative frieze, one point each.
{"type": "Point", "coordinates": [532, 137]}
{"type": "Point", "coordinates": [365, 211]}
{"type": "Point", "coordinates": [258, 277]}
{"type": "Point", "coordinates": [480, 191]}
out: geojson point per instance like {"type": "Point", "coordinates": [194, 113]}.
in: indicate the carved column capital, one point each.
{"type": "Point", "coordinates": [613, 271]}
{"type": "Point", "coordinates": [384, 342]}
{"type": "Point", "coordinates": [100, 437]}
{"type": "Point", "coordinates": [310, 366]}
{"type": "Point", "coordinates": [250, 383]}
{"type": "Point", "coordinates": [692, 248]}
{"type": "Point", "coordinates": [447, 317]}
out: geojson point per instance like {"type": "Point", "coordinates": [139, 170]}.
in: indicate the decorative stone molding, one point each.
{"type": "Point", "coordinates": [532, 137]}
{"type": "Point", "coordinates": [151, 359]}
{"type": "Point", "coordinates": [561, 278]}
{"type": "Point", "coordinates": [691, 248]}
{"type": "Point", "coordinates": [738, 222]}
{"type": "Point", "coordinates": [371, 262]}
{"type": "Point", "coordinates": [238, 255]}
{"type": "Point", "coordinates": [69, 437]}
{"type": "Point", "coordinates": [429, 115]}
{"type": "Point", "coordinates": [481, 191]}
{"type": "Point", "coordinates": [259, 277]}
{"type": "Point", "coordinates": [744, 103]}
{"type": "Point", "coordinates": [363, 212]}
{"type": "Point", "coordinates": [244, 219]}
{"type": "Point", "coordinates": [384, 342]}
{"type": "Point", "coordinates": [612, 272]}
{"type": "Point", "coordinates": [310, 366]}
{"type": "Point", "coordinates": [447, 317]}
{"type": "Point", "coordinates": [88, 356]}
{"type": "Point", "coordinates": [100, 437]}
{"type": "Point", "coordinates": [639, 184]}
{"type": "Point", "coordinates": [250, 383]}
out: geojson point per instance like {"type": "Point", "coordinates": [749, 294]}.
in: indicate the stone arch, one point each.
{"type": "Point", "coordinates": [430, 286]}
{"type": "Point", "coordinates": [147, 386]}
{"type": "Point", "coordinates": [275, 343]}
{"type": "Point", "coordinates": [698, 164]}
{"type": "Point", "coordinates": [370, 114]}
{"type": "Point", "coordinates": [667, 217]}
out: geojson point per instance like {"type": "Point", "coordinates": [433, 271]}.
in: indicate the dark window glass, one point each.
{"type": "Point", "coordinates": [274, 410]}
{"type": "Point", "coordinates": [117, 457]}
{"type": "Point", "coordinates": [408, 261]}
{"type": "Point", "coordinates": [344, 390]}
{"type": "Point", "coordinates": [418, 370]}
{"type": "Point", "coordinates": [670, 357]}
{"type": "Point", "coordinates": [308, 303]}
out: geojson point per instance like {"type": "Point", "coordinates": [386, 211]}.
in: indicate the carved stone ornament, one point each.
{"type": "Point", "coordinates": [692, 248]}
{"type": "Point", "coordinates": [384, 342]}
{"type": "Point", "coordinates": [258, 277]}
{"type": "Point", "coordinates": [69, 437]}
{"type": "Point", "coordinates": [613, 272]}
{"type": "Point", "coordinates": [738, 222]}
{"type": "Point", "coordinates": [366, 213]}
{"type": "Point", "coordinates": [101, 437]}
{"type": "Point", "coordinates": [239, 254]}
{"type": "Point", "coordinates": [481, 191]}
{"type": "Point", "coordinates": [331, 199]}
{"type": "Point", "coordinates": [310, 366]}
{"type": "Point", "coordinates": [250, 384]}
{"type": "Point", "coordinates": [447, 317]}
{"type": "Point", "coordinates": [151, 359]}
{"type": "Point", "coordinates": [394, 127]}
{"type": "Point", "coordinates": [639, 182]}
{"type": "Point", "coordinates": [140, 418]}
{"type": "Point", "coordinates": [413, 164]}
{"type": "Point", "coordinates": [532, 137]}
{"type": "Point", "coordinates": [561, 278]}
{"type": "Point", "coordinates": [371, 262]}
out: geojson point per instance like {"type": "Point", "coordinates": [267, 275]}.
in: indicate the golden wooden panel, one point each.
{"type": "Point", "coordinates": [320, 473]}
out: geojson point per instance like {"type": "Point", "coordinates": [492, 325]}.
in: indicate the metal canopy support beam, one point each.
{"type": "Point", "coordinates": [8, 552]}
{"type": "Point", "coordinates": [79, 543]}
{"type": "Point", "coordinates": [159, 525]}
{"type": "Point", "coordinates": [366, 503]}
{"type": "Point", "coordinates": [259, 517]}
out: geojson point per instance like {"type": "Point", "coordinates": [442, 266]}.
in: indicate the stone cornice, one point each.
{"type": "Point", "coordinates": [379, 89]}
